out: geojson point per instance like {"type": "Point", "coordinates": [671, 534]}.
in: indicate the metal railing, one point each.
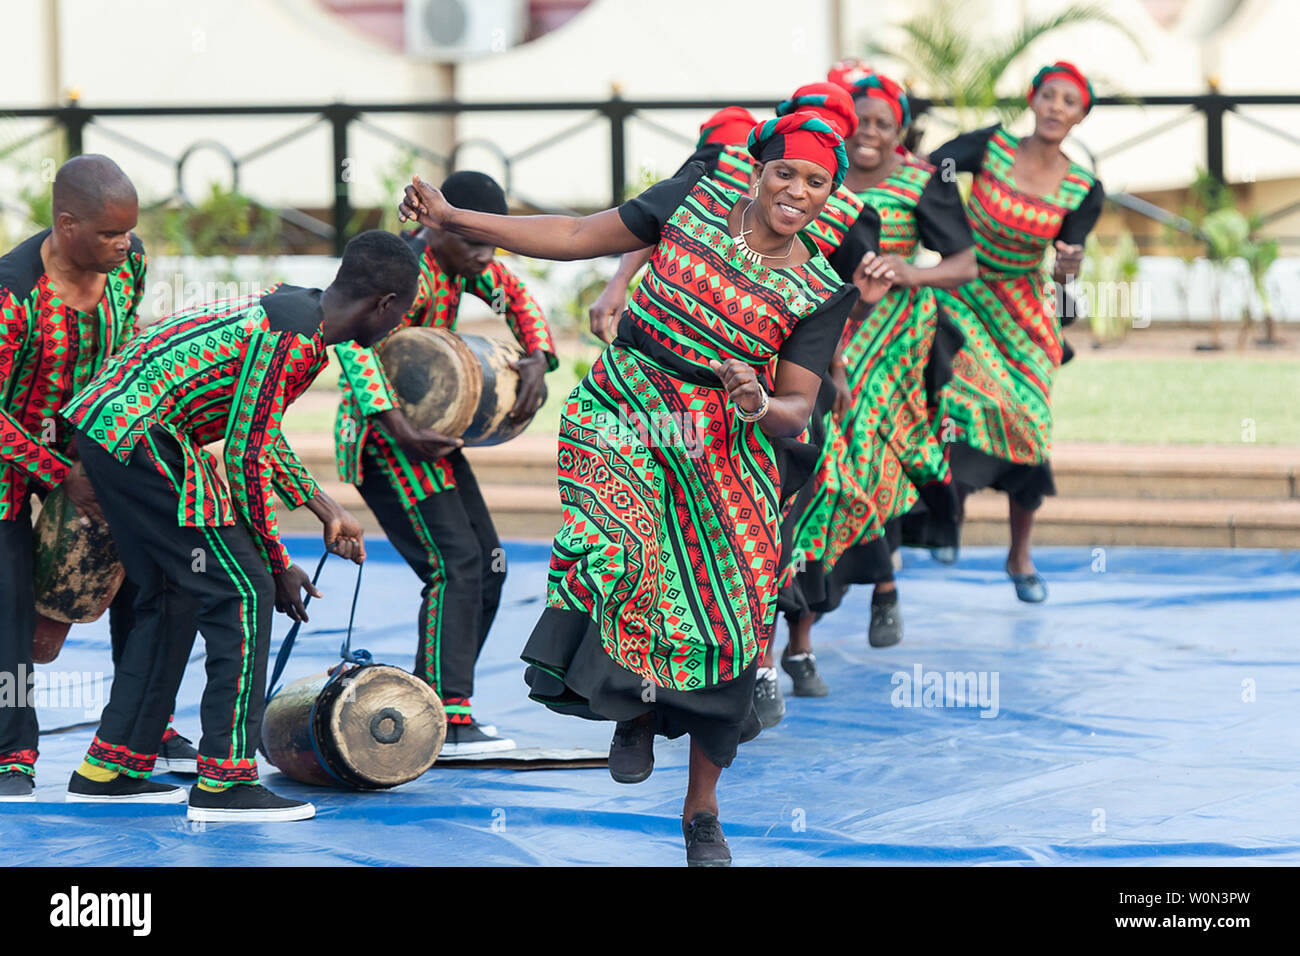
{"type": "Point", "coordinates": [73, 119]}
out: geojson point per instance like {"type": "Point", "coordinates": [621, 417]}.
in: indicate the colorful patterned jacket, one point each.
{"type": "Point", "coordinates": [367, 392]}
{"type": "Point", "coordinates": [48, 352]}
{"type": "Point", "coordinates": [223, 372]}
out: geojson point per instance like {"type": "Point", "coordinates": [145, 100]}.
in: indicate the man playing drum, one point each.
{"type": "Point", "coordinates": [417, 482]}
{"type": "Point", "coordinates": [203, 555]}
{"type": "Point", "coordinates": [69, 298]}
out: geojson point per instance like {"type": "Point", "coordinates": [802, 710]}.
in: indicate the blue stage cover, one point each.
{"type": "Point", "coordinates": [1146, 714]}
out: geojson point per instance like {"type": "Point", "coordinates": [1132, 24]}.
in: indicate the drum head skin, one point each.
{"type": "Point", "coordinates": [385, 726]}
{"type": "Point", "coordinates": [372, 728]}
{"type": "Point", "coordinates": [437, 379]}
{"type": "Point", "coordinates": [458, 385]}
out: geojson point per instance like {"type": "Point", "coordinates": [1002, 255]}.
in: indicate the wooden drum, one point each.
{"type": "Point", "coordinates": [372, 728]}
{"type": "Point", "coordinates": [77, 573]}
{"type": "Point", "coordinates": [459, 385]}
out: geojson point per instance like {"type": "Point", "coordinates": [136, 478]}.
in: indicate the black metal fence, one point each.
{"type": "Point", "coordinates": [73, 119]}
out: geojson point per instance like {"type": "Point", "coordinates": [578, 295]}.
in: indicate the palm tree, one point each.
{"type": "Point", "coordinates": [944, 57]}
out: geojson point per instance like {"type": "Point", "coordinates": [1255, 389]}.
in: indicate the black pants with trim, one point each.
{"type": "Point", "coordinates": [449, 541]}
{"type": "Point", "coordinates": [210, 580]}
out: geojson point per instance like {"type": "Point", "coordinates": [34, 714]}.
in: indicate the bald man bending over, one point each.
{"type": "Point", "coordinates": [68, 300]}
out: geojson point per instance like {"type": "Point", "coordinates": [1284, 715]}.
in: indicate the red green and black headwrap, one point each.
{"type": "Point", "coordinates": [729, 126]}
{"type": "Point", "coordinates": [801, 135]}
{"type": "Point", "coordinates": [845, 73]}
{"type": "Point", "coordinates": [1063, 70]}
{"type": "Point", "coordinates": [826, 100]}
{"type": "Point", "coordinates": [878, 86]}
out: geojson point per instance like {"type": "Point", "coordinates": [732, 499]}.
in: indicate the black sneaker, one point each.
{"type": "Point", "coordinates": [632, 751]}
{"type": "Point", "coordinates": [121, 789]}
{"type": "Point", "coordinates": [886, 624]}
{"type": "Point", "coordinates": [705, 844]}
{"type": "Point", "coordinates": [768, 701]}
{"type": "Point", "coordinates": [464, 740]}
{"type": "Point", "coordinates": [802, 668]}
{"type": "Point", "coordinates": [16, 786]}
{"type": "Point", "coordinates": [245, 803]}
{"type": "Point", "coordinates": [176, 754]}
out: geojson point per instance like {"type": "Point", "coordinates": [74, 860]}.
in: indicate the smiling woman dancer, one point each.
{"type": "Point", "coordinates": [1026, 196]}
{"type": "Point", "coordinates": [663, 577]}
{"type": "Point", "coordinates": [885, 441]}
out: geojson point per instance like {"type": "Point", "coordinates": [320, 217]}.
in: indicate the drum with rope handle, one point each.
{"type": "Point", "coordinates": [76, 573]}
{"type": "Point", "coordinates": [459, 385]}
{"type": "Point", "coordinates": [370, 727]}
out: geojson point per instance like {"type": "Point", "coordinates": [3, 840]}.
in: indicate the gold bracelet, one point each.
{"type": "Point", "coordinates": [754, 416]}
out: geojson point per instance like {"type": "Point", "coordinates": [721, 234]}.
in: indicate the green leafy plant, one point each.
{"type": "Point", "coordinates": [945, 57]}
{"type": "Point", "coordinates": [225, 223]}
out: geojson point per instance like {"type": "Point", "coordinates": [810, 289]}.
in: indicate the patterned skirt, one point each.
{"type": "Point", "coordinates": [874, 463]}
{"type": "Point", "coordinates": [999, 403]}
{"type": "Point", "coordinates": [662, 583]}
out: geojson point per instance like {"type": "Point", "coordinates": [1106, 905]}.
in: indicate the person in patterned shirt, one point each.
{"type": "Point", "coordinates": [203, 555]}
{"type": "Point", "coordinates": [419, 485]}
{"type": "Point", "coordinates": [68, 299]}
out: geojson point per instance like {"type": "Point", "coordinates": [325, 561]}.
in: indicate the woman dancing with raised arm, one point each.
{"type": "Point", "coordinates": [1026, 196]}
{"type": "Point", "coordinates": [663, 576]}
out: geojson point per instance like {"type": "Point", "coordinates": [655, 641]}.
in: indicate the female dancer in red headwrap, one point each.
{"type": "Point", "coordinates": [1027, 196]}
{"type": "Point", "coordinates": [663, 577]}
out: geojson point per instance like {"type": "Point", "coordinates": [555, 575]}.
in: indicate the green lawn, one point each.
{"type": "Point", "coordinates": [1177, 401]}
{"type": "Point", "coordinates": [1137, 400]}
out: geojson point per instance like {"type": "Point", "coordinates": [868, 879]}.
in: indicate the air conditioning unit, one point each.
{"type": "Point", "coordinates": [450, 30]}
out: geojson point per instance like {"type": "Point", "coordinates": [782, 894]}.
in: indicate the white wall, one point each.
{"type": "Point", "coordinates": [194, 52]}
{"type": "Point", "coordinates": [1254, 53]}
{"type": "Point", "coordinates": [259, 51]}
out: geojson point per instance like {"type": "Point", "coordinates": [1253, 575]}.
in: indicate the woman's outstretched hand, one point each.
{"type": "Point", "coordinates": [874, 276]}
{"type": "Point", "coordinates": [425, 204]}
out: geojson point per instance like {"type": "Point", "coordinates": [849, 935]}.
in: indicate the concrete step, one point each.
{"type": "Point", "coordinates": [533, 512]}
{"type": "Point", "coordinates": [1212, 472]}
{"type": "Point", "coordinates": [1082, 470]}
{"type": "Point", "coordinates": [1227, 523]}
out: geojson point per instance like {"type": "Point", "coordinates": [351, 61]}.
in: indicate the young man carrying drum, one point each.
{"type": "Point", "coordinates": [69, 298]}
{"type": "Point", "coordinates": [417, 482]}
{"type": "Point", "coordinates": [204, 556]}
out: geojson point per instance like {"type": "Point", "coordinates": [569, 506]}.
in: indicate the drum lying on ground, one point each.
{"type": "Point", "coordinates": [372, 728]}
{"type": "Point", "coordinates": [459, 385]}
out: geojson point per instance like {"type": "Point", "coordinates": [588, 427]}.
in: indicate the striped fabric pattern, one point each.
{"type": "Point", "coordinates": [888, 443]}
{"type": "Point", "coordinates": [215, 373]}
{"type": "Point", "coordinates": [49, 351]}
{"type": "Point", "coordinates": [1000, 397]}
{"type": "Point", "coordinates": [670, 540]}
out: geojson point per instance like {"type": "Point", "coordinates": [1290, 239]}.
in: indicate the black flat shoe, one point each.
{"type": "Point", "coordinates": [632, 751]}
{"type": "Point", "coordinates": [16, 786]}
{"type": "Point", "coordinates": [705, 844]}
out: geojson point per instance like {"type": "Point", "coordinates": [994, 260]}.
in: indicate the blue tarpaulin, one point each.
{"type": "Point", "coordinates": [1147, 713]}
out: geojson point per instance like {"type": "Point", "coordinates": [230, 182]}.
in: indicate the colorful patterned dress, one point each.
{"type": "Point", "coordinates": [999, 401]}
{"type": "Point", "coordinates": [663, 578]}
{"type": "Point", "coordinates": [888, 445]}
